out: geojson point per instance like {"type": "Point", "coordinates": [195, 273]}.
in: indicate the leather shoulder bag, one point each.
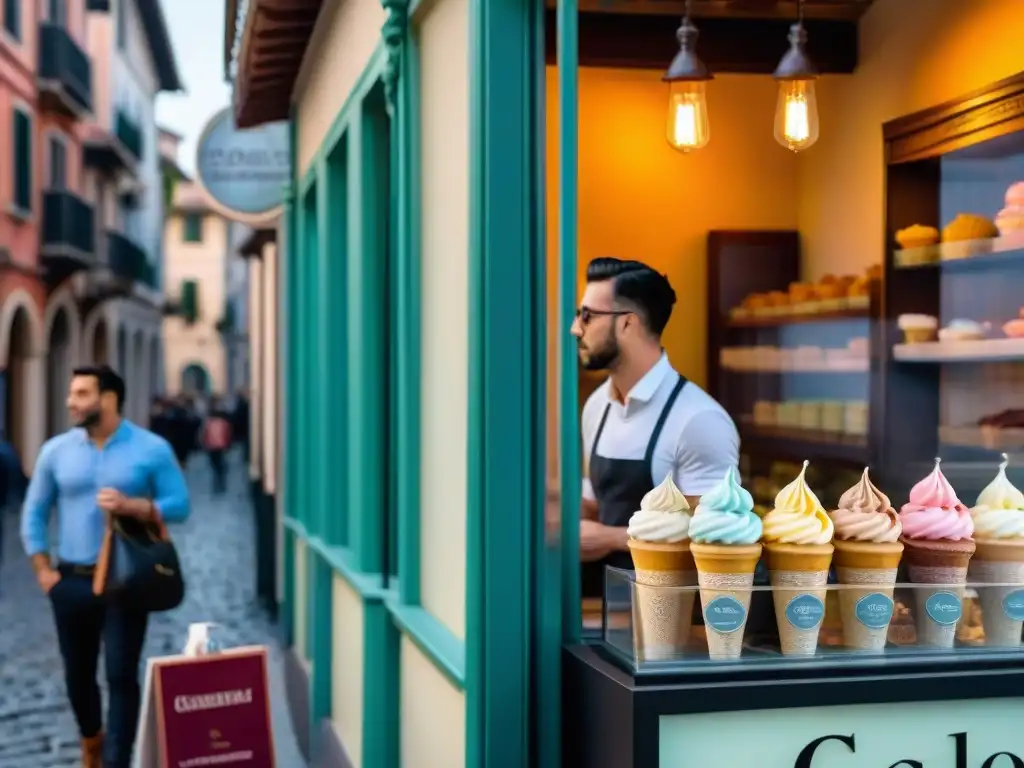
{"type": "Point", "coordinates": [139, 564]}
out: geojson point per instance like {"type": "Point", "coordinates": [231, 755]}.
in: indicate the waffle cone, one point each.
{"type": "Point", "coordinates": [664, 607]}
{"type": "Point", "coordinates": [999, 562]}
{"type": "Point", "coordinates": [942, 562]}
{"type": "Point", "coordinates": [725, 571]}
{"type": "Point", "coordinates": [795, 571]}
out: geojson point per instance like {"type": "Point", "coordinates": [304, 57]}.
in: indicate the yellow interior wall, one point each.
{"type": "Point", "coordinates": [301, 599]}
{"type": "Point", "coordinates": [432, 714]}
{"type": "Point", "coordinates": [909, 60]}
{"type": "Point", "coordinates": [347, 661]}
{"type": "Point", "coordinates": [640, 199]}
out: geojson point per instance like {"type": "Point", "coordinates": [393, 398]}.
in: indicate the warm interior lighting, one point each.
{"type": "Point", "coordinates": [796, 115]}
{"type": "Point", "coordinates": [687, 126]}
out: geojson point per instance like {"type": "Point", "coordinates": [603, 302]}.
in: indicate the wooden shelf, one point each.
{"type": "Point", "coordinates": [964, 255]}
{"type": "Point", "coordinates": [786, 442]}
{"type": "Point", "coordinates": [773, 321]}
{"type": "Point", "coordinates": [851, 366]}
{"type": "Point", "coordinates": [978, 351]}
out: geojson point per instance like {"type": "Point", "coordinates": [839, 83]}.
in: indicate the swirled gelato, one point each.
{"type": "Point", "coordinates": [866, 514]}
{"type": "Point", "coordinates": [999, 512]}
{"type": "Point", "coordinates": [725, 515]}
{"type": "Point", "coordinates": [663, 517]}
{"type": "Point", "coordinates": [798, 517]}
{"type": "Point", "coordinates": [934, 512]}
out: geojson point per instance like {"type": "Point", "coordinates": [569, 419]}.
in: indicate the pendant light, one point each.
{"type": "Point", "coordinates": [686, 126]}
{"type": "Point", "coordinates": [796, 113]}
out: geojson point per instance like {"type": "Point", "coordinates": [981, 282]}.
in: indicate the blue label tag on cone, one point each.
{"type": "Point", "coordinates": [725, 614]}
{"type": "Point", "coordinates": [805, 611]}
{"type": "Point", "coordinates": [874, 611]}
{"type": "Point", "coordinates": [944, 608]}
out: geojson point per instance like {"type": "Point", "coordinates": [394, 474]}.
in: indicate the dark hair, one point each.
{"type": "Point", "coordinates": [636, 285]}
{"type": "Point", "coordinates": [107, 379]}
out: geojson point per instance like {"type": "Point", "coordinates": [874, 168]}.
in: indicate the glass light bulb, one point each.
{"type": "Point", "coordinates": [686, 126]}
{"type": "Point", "coordinates": [796, 115]}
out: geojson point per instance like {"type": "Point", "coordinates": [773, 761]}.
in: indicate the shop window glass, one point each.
{"type": "Point", "coordinates": [22, 160]}
{"type": "Point", "coordinates": [58, 163]}
{"type": "Point", "coordinates": [193, 228]}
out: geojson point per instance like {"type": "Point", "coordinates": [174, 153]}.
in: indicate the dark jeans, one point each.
{"type": "Point", "coordinates": [217, 463]}
{"type": "Point", "coordinates": [83, 620]}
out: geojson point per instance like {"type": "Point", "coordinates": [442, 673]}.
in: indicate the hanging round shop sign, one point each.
{"type": "Point", "coordinates": [244, 171]}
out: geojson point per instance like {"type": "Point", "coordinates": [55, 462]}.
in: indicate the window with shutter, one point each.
{"type": "Point", "coordinates": [12, 18]}
{"type": "Point", "coordinates": [22, 160]}
{"type": "Point", "coordinates": [58, 164]}
{"type": "Point", "coordinates": [193, 228]}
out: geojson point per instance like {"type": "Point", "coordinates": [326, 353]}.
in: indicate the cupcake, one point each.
{"type": "Point", "coordinates": [798, 544]}
{"type": "Point", "coordinates": [868, 551]}
{"type": "Point", "coordinates": [918, 328]}
{"type": "Point", "coordinates": [659, 543]}
{"type": "Point", "coordinates": [917, 236]}
{"type": "Point", "coordinates": [938, 543]}
{"type": "Point", "coordinates": [963, 330]}
{"type": "Point", "coordinates": [998, 519]}
{"type": "Point", "coordinates": [725, 536]}
{"type": "Point", "coordinates": [1015, 328]}
{"type": "Point", "coordinates": [1010, 220]}
{"type": "Point", "coordinates": [968, 235]}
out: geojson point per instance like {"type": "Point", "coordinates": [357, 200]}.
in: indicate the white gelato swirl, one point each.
{"type": "Point", "coordinates": [663, 516]}
{"type": "Point", "coordinates": [999, 513]}
{"type": "Point", "coordinates": [665, 498]}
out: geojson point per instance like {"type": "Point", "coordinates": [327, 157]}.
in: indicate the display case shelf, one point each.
{"type": "Point", "coordinates": [793, 443]}
{"type": "Point", "coordinates": [974, 351]}
{"type": "Point", "coordinates": [774, 321]}
{"type": "Point", "coordinates": [963, 255]}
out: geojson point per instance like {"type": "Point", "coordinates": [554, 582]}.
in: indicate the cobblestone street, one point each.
{"type": "Point", "coordinates": [216, 545]}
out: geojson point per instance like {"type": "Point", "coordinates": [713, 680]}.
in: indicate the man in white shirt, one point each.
{"type": "Point", "coordinates": [646, 421]}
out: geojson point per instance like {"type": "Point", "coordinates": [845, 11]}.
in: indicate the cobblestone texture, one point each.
{"type": "Point", "coordinates": [216, 544]}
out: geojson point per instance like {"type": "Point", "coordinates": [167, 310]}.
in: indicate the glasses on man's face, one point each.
{"type": "Point", "coordinates": [586, 314]}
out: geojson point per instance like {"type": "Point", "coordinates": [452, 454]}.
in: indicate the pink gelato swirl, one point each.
{"type": "Point", "coordinates": [934, 512]}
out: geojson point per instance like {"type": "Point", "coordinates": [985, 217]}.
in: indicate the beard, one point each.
{"type": "Point", "coordinates": [90, 418]}
{"type": "Point", "coordinates": [600, 357]}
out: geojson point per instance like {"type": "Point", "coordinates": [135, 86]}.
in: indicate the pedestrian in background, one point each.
{"type": "Point", "coordinates": [216, 441]}
{"type": "Point", "coordinates": [104, 466]}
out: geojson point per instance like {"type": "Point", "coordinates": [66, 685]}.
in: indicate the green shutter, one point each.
{"type": "Point", "coordinates": [12, 18]}
{"type": "Point", "coordinates": [22, 160]}
{"type": "Point", "coordinates": [194, 228]}
{"type": "Point", "coordinates": [190, 300]}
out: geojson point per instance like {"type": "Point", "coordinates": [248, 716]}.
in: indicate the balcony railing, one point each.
{"type": "Point", "coordinates": [127, 260]}
{"type": "Point", "coordinates": [65, 68]}
{"type": "Point", "coordinates": [67, 227]}
{"type": "Point", "coordinates": [129, 134]}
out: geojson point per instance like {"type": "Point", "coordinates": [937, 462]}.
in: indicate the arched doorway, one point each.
{"type": "Point", "coordinates": [98, 352]}
{"type": "Point", "coordinates": [19, 390]}
{"type": "Point", "coordinates": [138, 381]}
{"type": "Point", "coordinates": [195, 379]}
{"type": "Point", "coordinates": [122, 351]}
{"type": "Point", "coordinates": [58, 373]}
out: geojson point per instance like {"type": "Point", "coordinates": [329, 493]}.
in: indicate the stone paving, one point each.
{"type": "Point", "coordinates": [216, 544]}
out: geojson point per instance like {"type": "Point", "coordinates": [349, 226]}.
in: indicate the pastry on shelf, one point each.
{"type": "Point", "coordinates": [874, 272]}
{"type": "Point", "coordinates": [858, 293]}
{"type": "Point", "coordinates": [918, 328]}
{"type": "Point", "coordinates": [832, 295]}
{"type": "Point", "coordinates": [803, 297]}
{"type": "Point", "coordinates": [968, 235]}
{"type": "Point", "coordinates": [1010, 220]}
{"type": "Point", "coordinates": [963, 330]}
{"type": "Point", "coordinates": [917, 236]}
{"type": "Point", "coordinates": [1015, 328]}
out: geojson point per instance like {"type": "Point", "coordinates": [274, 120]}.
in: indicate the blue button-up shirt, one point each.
{"type": "Point", "coordinates": [71, 470]}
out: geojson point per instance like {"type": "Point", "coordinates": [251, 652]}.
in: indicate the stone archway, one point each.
{"type": "Point", "coordinates": [21, 347]}
{"type": "Point", "coordinates": [195, 379]}
{"type": "Point", "coordinates": [59, 365]}
{"type": "Point", "coordinates": [99, 354]}
{"type": "Point", "coordinates": [138, 382]}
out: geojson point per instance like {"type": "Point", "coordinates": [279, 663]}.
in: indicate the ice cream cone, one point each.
{"type": "Point", "coordinates": [868, 572]}
{"type": "Point", "coordinates": [941, 562]}
{"type": "Point", "coordinates": [664, 608]}
{"type": "Point", "coordinates": [1000, 561]}
{"type": "Point", "coordinates": [798, 574]}
{"type": "Point", "coordinates": [726, 575]}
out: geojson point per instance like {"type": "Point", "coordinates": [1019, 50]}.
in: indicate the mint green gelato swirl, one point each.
{"type": "Point", "coordinates": [725, 515]}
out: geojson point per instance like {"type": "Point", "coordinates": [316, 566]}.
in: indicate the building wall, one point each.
{"type": "Point", "coordinates": [203, 262]}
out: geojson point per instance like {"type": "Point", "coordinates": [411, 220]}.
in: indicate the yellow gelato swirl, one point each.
{"type": "Point", "coordinates": [798, 517]}
{"type": "Point", "coordinates": [999, 513]}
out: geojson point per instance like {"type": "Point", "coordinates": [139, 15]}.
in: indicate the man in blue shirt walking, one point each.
{"type": "Point", "coordinates": [106, 465]}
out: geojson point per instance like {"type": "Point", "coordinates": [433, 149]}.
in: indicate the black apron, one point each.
{"type": "Point", "coordinates": [619, 486]}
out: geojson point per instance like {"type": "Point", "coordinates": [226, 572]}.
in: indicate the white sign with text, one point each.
{"type": "Point", "coordinates": [984, 733]}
